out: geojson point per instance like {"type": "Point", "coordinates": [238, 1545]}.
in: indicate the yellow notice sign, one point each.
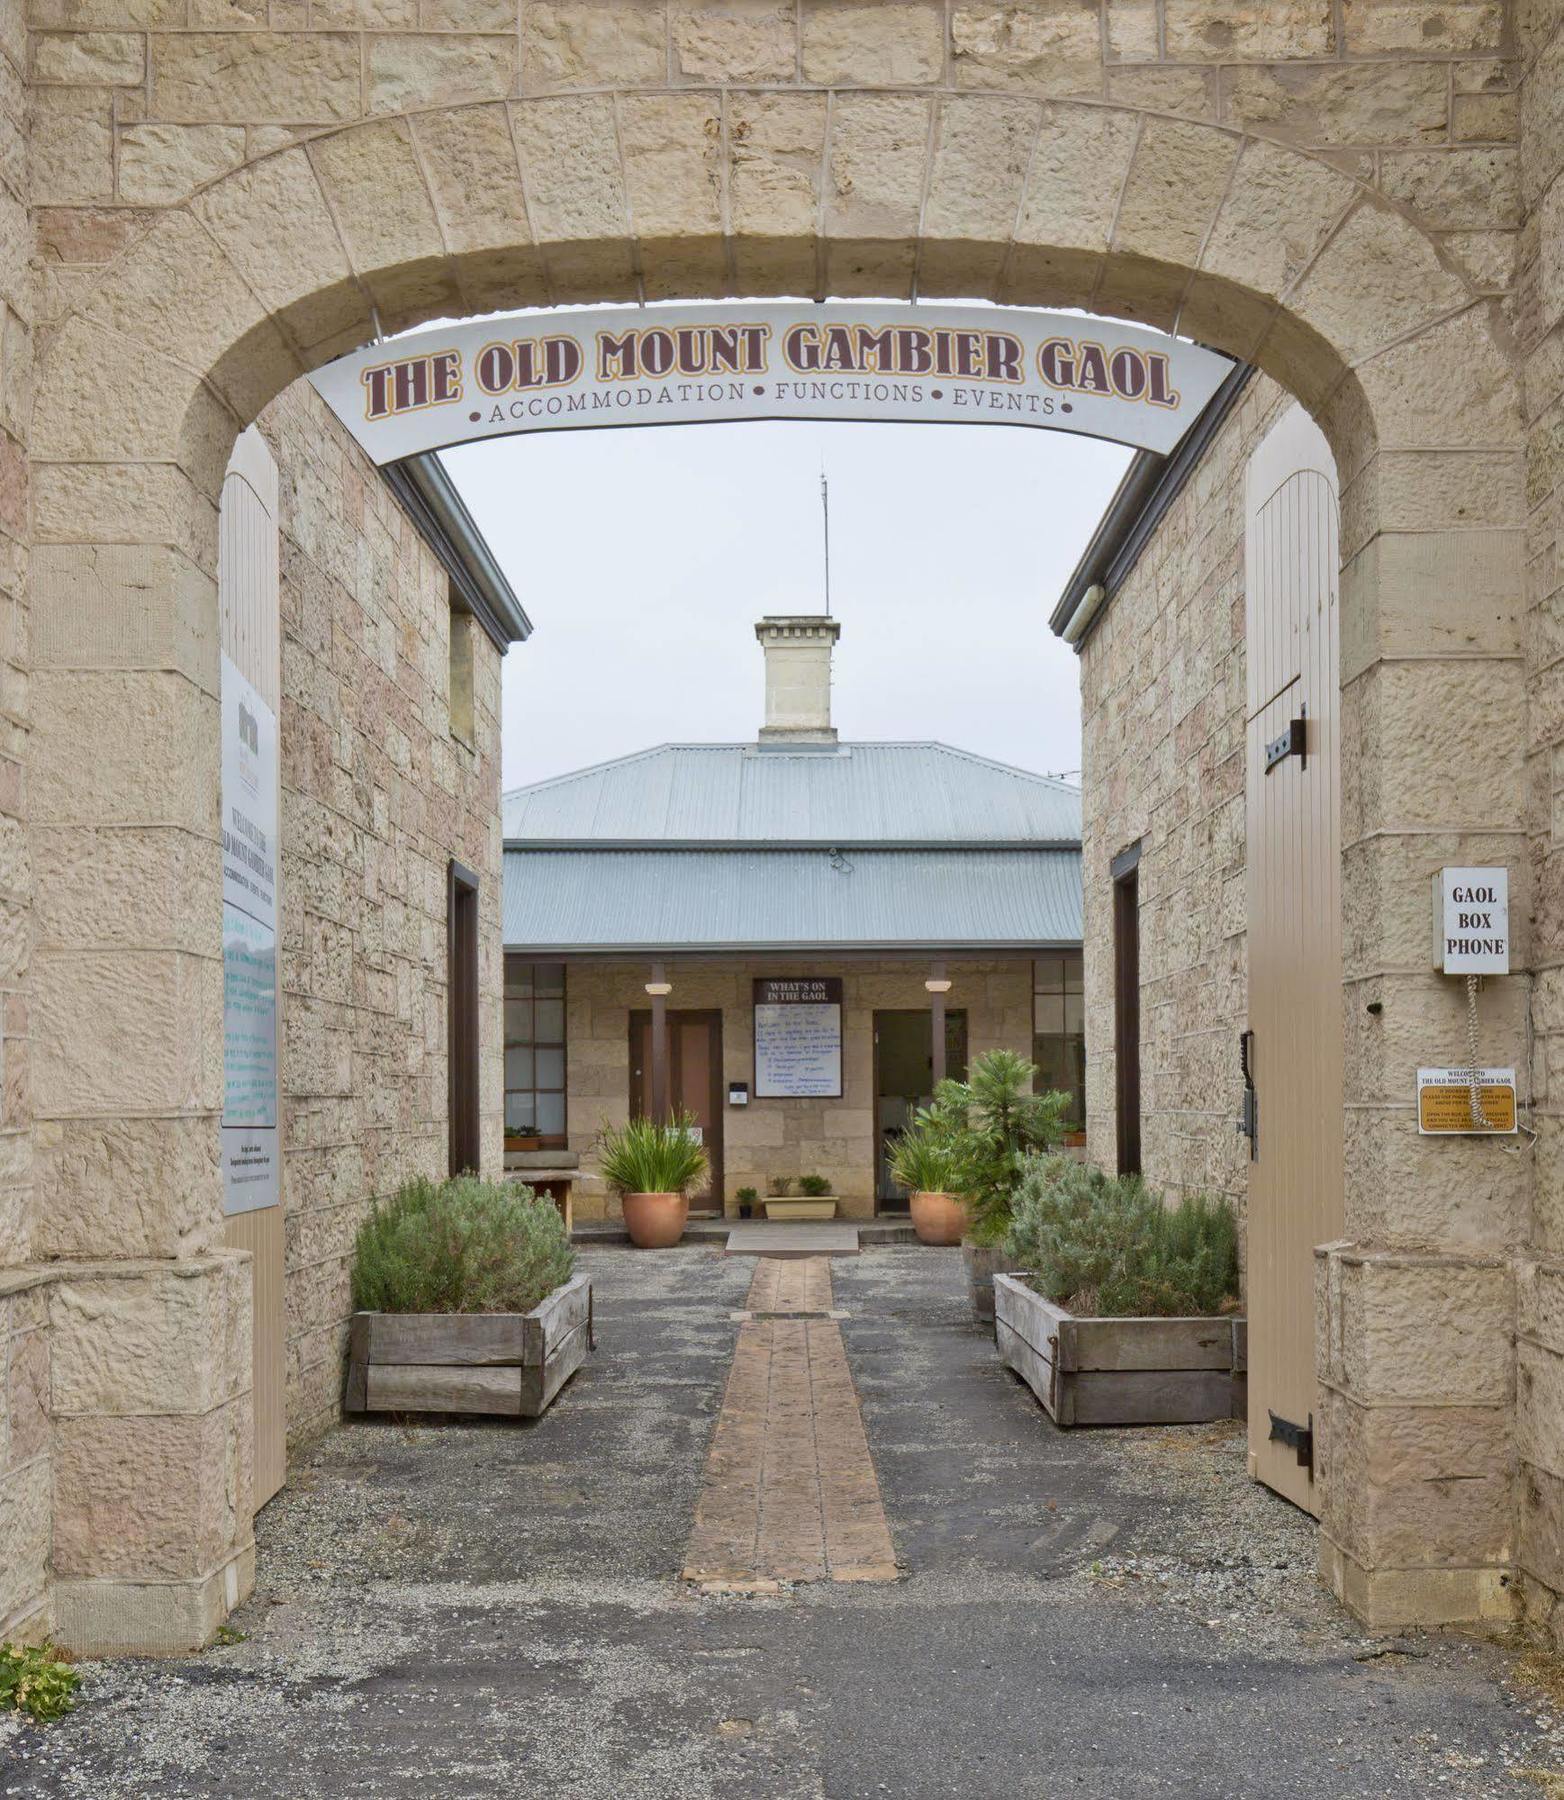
{"type": "Point", "coordinates": [1444, 1102]}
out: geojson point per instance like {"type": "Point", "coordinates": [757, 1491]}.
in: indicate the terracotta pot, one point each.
{"type": "Point", "coordinates": [655, 1221]}
{"type": "Point", "coordinates": [938, 1218]}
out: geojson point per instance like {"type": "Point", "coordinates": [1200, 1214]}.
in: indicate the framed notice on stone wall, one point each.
{"type": "Point", "coordinates": [798, 1038]}
{"type": "Point", "coordinates": [250, 1086]}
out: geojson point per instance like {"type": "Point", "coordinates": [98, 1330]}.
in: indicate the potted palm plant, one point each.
{"type": "Point", "coordinates": [653, 1166]}
{"type": "Point", "coordinates": [991, 1124]}
{"type": "Point", "coordinates": [923, 1162]}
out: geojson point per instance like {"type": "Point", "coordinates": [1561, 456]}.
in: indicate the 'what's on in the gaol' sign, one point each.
{"type": "Point", "coordinates": [690, 365]}
{"type": "Point", "coordinates": [1444, 1102]}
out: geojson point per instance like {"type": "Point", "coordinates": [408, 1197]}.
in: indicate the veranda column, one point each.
{"type": "Point", "coordinates": [659, 987]}
{"type": "Point", "coordinates": [938, 987]}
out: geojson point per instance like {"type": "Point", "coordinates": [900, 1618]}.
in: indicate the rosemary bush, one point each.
{"type": "Point", "coordinates": [644, 1157]}
{"type": "Point", "coordinates": [460, 1246]}
{"type": "Point", "coordinates": [1106, 1245]}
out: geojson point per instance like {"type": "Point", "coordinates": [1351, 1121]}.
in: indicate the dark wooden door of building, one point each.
{"type": "Point", "coordinates": [903, 1079]}
{"type": "Point", "coordinates": [694, 1078]}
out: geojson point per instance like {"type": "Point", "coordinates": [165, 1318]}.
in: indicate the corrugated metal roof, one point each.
{"type": "Point", "coordinates": [671, 900]}
{"type": "Point", "coordinates": [694, 794]}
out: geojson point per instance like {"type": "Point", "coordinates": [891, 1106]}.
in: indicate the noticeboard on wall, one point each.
{"type": "Point", "coordinates": [250, 1072]}
{"type": "Point", "coordinates": [798, 1038]}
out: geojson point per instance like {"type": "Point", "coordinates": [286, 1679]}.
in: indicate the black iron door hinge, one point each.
{"type": "Point", "coordinates": [1297, 1437]}
{"type": "Point", "coordinates": [1294, 741]}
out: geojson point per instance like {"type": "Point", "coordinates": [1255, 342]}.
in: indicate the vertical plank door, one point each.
{"type": "Point", "coordinates": [1293, 827]}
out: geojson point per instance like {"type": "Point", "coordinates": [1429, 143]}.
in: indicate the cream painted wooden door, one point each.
{"type": "Point", "coordinates": [1293, 810]}
{"type": "Point", "coordinates": [249, 627]}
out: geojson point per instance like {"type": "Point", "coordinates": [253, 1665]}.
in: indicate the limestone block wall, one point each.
{"type": "Point", "coordinates": [1162, 694]}
{"type": "Point", "coordinates": [26, 1455]}
{"type": "Point", "coordinates": [140, 105]}
{"type": "Point", "coordinates": [1539, 316]}
{"type": "Point", "coordinates": [833, 1138]}
{"type": "Point", "coordinates": [26, 1479]}
{"type": "Point", "coordinates": [378, 795]}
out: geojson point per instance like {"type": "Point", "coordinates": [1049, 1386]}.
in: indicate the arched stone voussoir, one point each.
{"type": "Point", "coordinates": [1259, 250]}
{"type": "Point", "coordinates": [1378, 279]}
{"type": "Point", "coordinates": [104, 397]}
{"type": "Point", "coordinates": [177, 292]}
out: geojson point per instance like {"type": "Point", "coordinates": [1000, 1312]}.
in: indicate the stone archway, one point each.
{"type": "Point", "coordinates": [265, 272]}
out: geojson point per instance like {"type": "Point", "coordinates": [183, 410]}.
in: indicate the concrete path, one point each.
{"type": "Point", "coordinates": [769, 1237]}
{"type": "Point", "coordinates": [487, 1609]}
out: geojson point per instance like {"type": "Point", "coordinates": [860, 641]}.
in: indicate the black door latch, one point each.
{"type": "Point", "coordinates": [1249, 1118]}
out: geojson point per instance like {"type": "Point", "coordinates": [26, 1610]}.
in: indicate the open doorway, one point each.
{"type": "Point", "coordinates": [904, 1081]}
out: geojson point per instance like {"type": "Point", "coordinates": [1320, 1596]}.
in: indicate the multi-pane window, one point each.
{"type": "Point", "coordinates": [1059, 1029]}
{"type": "Point", "coordinates": [534, 1055]}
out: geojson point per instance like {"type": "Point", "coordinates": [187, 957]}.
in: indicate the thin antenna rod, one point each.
{"type": "Point", "coordinates": [825, 519]}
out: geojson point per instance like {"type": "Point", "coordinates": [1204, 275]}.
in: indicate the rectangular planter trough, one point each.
{"type": "Point", "coordinates": [1121, 1371]}
{"type": "Point", "coordinates": [511, 1363]}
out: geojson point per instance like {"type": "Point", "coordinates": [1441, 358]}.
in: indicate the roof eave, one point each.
{"type": "Point", "coordinates": [1150, 486]}
{"type": "Point", "coordinates": [428, 496]}
{"type": "Point", "coordinates": [753, 846]}
{"type": "Point", "coordinates": [850, 947]}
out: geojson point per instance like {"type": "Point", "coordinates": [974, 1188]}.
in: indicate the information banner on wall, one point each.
{"type": "Point", "coordinates": [251, 1153]}
{"type": "Point", "coordinates": [561, 371]}
{"type": "Point", "coordinates": [798, 1038]}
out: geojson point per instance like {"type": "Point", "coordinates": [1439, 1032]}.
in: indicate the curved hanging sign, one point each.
{"type": "Point", "coordinates": [686, 365]}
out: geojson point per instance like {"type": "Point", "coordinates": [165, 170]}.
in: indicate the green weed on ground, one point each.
{"type": "Point", "coordinates": [34, 1679]}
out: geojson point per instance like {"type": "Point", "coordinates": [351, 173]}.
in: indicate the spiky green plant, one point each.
{"type": "Point", "coordinates": [460, 1246]}
{"type": "Point", "coordinates": [990, 1124]}
{"type": "Point", "coordinates": [922, 1162]}
{"type": "Point", "coordinates": [813, 1186]}
{"type": "Point", "coordinates": [644, 1157]}
{"type": "Point", "coordinates": [1106, 1245]}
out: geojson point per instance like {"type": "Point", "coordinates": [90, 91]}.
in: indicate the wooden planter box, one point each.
{"type": "Point", "coordinates": [1121, 1371]}
{"type": "Point", "coordinates": [801, 1206]}
{"type": "Point", "coordinates": [511, 1363]}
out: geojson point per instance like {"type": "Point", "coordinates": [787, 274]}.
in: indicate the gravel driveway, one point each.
{"type": "Point", "coordinates": [489, 1608]}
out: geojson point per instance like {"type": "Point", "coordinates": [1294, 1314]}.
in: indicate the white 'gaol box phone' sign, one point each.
{"type": "Point", "coordinates": [1472, 921]}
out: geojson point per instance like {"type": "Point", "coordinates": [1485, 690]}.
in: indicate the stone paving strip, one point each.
{"type": "Point", "coordinates": [799, 1285]}
{"type": "Point", "coordinates": [789, 1492]}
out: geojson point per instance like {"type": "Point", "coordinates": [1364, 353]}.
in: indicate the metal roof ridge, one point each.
{"type": "Point", "coordinates": [1055, 782]}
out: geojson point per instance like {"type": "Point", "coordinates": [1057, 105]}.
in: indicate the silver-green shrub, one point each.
{"type": "Point", "coordinates": [460, 1246]}
{"type": "Point", "coordinates": [1106, 1245]}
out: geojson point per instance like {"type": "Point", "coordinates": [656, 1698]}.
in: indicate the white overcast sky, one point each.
{"type": "Point", "coordinates": [645, 556]}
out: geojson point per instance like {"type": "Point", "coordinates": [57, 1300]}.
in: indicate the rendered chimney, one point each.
{"type": "Point", "coordinates": [798, 677]}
